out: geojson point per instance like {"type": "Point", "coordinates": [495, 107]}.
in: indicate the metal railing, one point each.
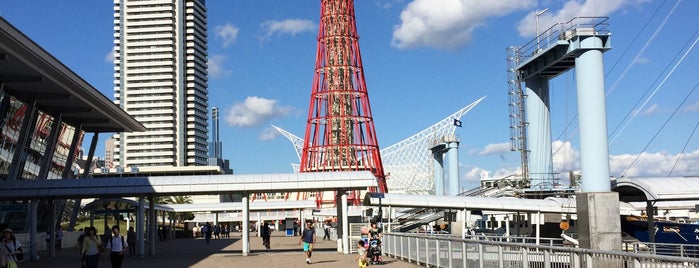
{"type": "Point", "coordinates": [667, 249]}
{"type": "Point", "coordinates": [563, 31]}
{"type": "Point", "coordinates": [517, 239]}
{"type": "Point", "coordinates": [455, 252]}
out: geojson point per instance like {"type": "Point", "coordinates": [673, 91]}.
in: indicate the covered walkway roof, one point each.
{"type": "Point", "coordinates": [128, 204]}
{"type": "Point", "coordinates": [465, 202]}
{"type": "Point", "coordinates": [28, 72]}
{"type": "Point", "coordinates": [509, 204]}
{"type": "Point", "coordinates": [238, 206]}
{"type": "Point", "coordinates": [185, 185]}
{"type": "Point", "coordinates": [657, 189]}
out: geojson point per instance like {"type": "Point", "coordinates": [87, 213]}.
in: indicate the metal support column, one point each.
{"type": "Point", "coordinates": [345, 225]}
{"type": "Point", "coordinates": [51, 247]}
{"type": "Point", "coordinates": [453, 167]}
{"type": "Point", "coordinates": [259, 224]}
{"type": "Point", "coordinates": [246, 224]}
{"type": "Point", "coordinates": [26, 133]}
{"type": "Point", "coordinates": [438, 160]}
{"type": "Point", "coordinates": [68, 173]}
{"type": "Point", "coordinates": [33, 237]}
{"type": "Point", "coordinates": [152, 225]}
{"type": "Point", "coordinates": [649, 217]}
{"type": "Point", "coordinates": [592, 118]}
{"type": "Point", "coordinates": [140, 224]}
{"type": "Point", "coordinates": [47, 159]}
{"type": "Point", "coordinates": [539, 131]}
{"type": "Point", "coordinates": [340, 220]}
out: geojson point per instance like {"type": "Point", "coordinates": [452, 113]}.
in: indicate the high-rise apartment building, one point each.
{"type": "Point", "coordinates": [109, 153]}
{"type": "Point", "coordinates": [160, 78]}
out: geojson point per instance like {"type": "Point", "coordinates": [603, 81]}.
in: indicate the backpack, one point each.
{"type": "Point", "coordinates": [122, 243]}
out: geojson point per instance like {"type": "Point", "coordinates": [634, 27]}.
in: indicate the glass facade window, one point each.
{"type": "Point", "coordinates": [33, 156]}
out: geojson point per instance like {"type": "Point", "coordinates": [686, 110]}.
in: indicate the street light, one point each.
{"type": "Point", "coordinates": [539, 13]}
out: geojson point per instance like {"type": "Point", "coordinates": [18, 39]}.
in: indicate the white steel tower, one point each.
{"type": "Point", "coordinates": [160, 78]}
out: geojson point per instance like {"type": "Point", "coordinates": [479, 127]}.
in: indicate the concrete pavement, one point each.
{"type": "Point", "coordinates": [225, 252]}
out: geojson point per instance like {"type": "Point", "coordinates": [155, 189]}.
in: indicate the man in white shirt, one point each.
{"type": "Point", "coordinates": [116, 245]}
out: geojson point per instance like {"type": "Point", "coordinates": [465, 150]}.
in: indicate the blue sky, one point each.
{"type": "Point", "coordinates": [423, 59]}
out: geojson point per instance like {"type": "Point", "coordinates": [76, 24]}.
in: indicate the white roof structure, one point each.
{"type": "Point", "coordinates": [657, 188]}
{"type": "Point", "coordinates": [186, 185]}
{"type": "Point", "coordinates": [466, 202]}
{"type": "Point", "coordinates": [510, 204]}
{"type": "Point", "coordinates": [668, 205]}
{"type": "Point", "coordinates": [409, 162]}
{"type": "Point", "coordinates": [238, 206]}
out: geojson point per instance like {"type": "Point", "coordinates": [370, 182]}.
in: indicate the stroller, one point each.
{"type": "Point", "coordinates": [374, 254]}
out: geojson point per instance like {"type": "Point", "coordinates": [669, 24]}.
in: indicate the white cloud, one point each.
{"type": "Point", "coordinates": [289, 26]}
{"type": "Point", "coordinates": [268, 134]}
{"type": "Point", "coordinates": [641, 60]}
{"type": "Point", "coordinates": [659, 164]}
{"type": "Point", "coordinates": [648, 164]}
{"type": "Point", "coordinates": [655, 164]}
{"type": "Point", "coordinates": [694, 107]}
{"type": "Point", "coordinates": [216, 68]}
{"type": "Point", "coordinates": [475, 174]}
{"type": "Point", "coordinates": [496, 148]}
{"type": "Point", "coordinates": [448, 24]}
{"type": "Point", "coordinates": [386, 4]}
{"type": "Point", "coordinates": [228, 33]}
{"type": "Point", "coordinates": [651, 110]}
{"type": "Point", "coordinates": [256, 110]}
{"type": "Point", "coordinates": [111, 56]}
{"type": "Point", "coordinates": [571, 9]}
{"type": "Point", "coordinates": [565, 157]}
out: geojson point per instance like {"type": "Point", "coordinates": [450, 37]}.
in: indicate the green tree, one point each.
{"type": "Point", "coordinates": [180, 199]}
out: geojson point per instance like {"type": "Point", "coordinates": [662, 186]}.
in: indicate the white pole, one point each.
{"type": "Point", "coordinates": [345, 225]}
{"type": "Point", "coordinates": [538, 226]}
{"type": "Point", "coordinates": [259, 224]}
{"type": "Point", "coordinates": [246, 225]}
{"type": "Point", "coordinates": [464, 227]}
{"type": "Point", "coordinates": [539, 13]}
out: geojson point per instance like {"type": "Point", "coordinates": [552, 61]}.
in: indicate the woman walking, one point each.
{"type": "Point", "coordinates": [11, 249]}
{"type": "Point", "coordinates": [90, 253]}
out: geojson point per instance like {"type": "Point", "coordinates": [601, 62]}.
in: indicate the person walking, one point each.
{"type": "Point", "coordinates": [131, 240]}
{"type": "Point", "coordinates": [326, 230]}
{"type": "Point", "coordinates": [361, 258]}
{"type": "Point", "coordinates": [90, 248]}
{"type": "Point", "coordinates": [308, 237]}
{"type": "Point", "coordinates": [11, 249]}
{"type": "Point", "coordinates": [116, 245]}
{"type": "Point", "coordinates": [217, 231]}
{"type": "Point", "coordinates": [59, 238]}
{"type": "Point", "coordinates": [265, 233]}
{"type": "Point", "coordinates": [206, 232]}
{"type": "Point", "coordinates": [375, 232]}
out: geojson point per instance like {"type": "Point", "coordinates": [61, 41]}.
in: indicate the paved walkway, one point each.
{"type": "Point", "coordinates": [189, 252]}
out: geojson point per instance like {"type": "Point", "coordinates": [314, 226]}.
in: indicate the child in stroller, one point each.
{"type": "Point", "coordinates": [374, 254]}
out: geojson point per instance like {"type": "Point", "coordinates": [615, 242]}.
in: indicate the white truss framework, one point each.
{"type": "Point", "coordinates": [408, 164]}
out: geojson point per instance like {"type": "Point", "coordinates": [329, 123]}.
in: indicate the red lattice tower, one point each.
{"type": "Point", "coordinates": [340, 133]}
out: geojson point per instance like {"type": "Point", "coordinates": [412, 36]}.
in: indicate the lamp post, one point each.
{"type": "Point", "coordinates": [539, 13]}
